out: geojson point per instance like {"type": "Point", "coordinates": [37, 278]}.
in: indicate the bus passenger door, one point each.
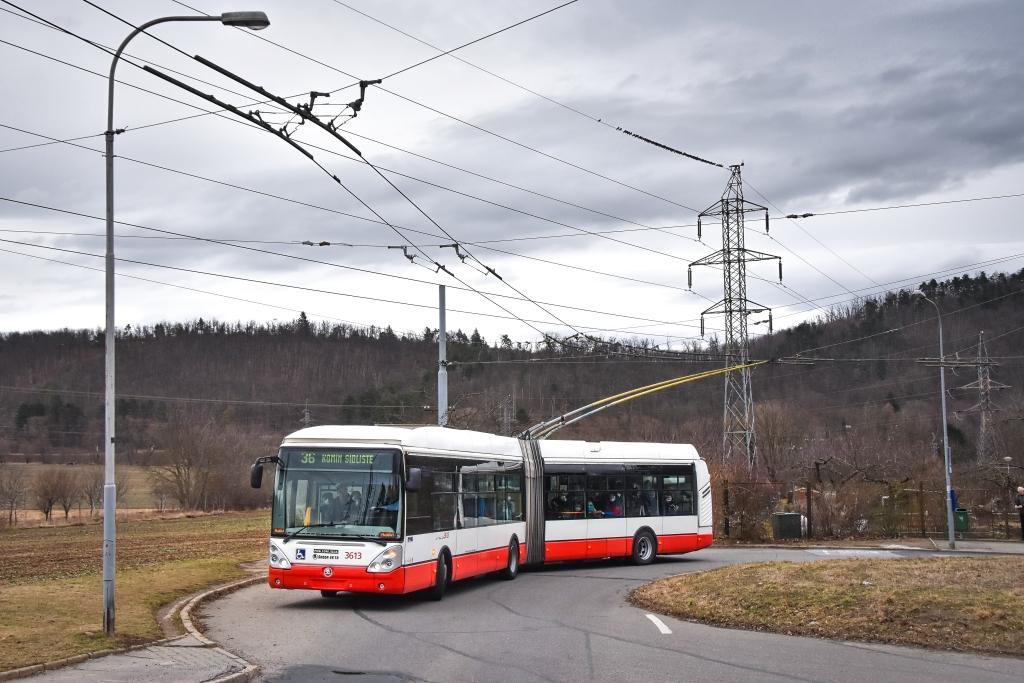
{"type": "Point", "coordinates": [606, 520]}
{"type": "Point", "coordinates": [465, 561]}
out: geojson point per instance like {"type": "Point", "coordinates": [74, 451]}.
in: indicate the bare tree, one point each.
{"type": "Point", "coordinates": [68, 489]}
{"type": "Point", "coordinates": [92, 488]}
{"type": "Point", "coordinates": [12, 492]}
{"type": "Point", "coordinates": [46, 490]}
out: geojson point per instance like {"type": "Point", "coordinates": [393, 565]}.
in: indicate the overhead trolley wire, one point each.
{"type": "Point", "coordinates": [464, 122]}
{"type": "Point", "coordinates": [234, 244]}
{"type": "Point", "coordinates": [522, 87]}
{"type": "Point", "coordinates": [315, 290]}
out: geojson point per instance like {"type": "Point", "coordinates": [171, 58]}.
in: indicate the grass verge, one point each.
{"type": "Point", "coordinates": [952, 603]}
{"type": "Point", "coordinates": [51, 584]}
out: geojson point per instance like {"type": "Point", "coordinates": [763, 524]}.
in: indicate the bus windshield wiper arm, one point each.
{"type": "Point", "coordinates": [293, 534]}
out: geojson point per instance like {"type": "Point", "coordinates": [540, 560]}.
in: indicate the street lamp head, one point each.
{"type": "Point", "coordinates": [918, 293]}
{"type": "Point", "coordinates": [256, 21]}
{"type": "Point", "coordinates": [1007, 459]}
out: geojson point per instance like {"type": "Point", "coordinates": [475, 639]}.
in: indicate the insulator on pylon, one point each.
{"type": "Point", "coordinates": [702, 325]}
{"type": "Point", "coordinates": [689, 277]}
{"type": "Point", "coordinates": [698, 228]}
{"type": "Point", "coordinates": [770, 321]}
{"type": "Point", "coordinates": [766, 222]}
{"type": "Point", "coordinates": [780, 270]}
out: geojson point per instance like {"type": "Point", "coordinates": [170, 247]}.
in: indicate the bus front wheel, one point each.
{"type": "Point", "coordinates": [440, 578]}
{"type": "Point", "coordinates": [644, 548]}
{"type": "Point", "coordinates": [512, 569]}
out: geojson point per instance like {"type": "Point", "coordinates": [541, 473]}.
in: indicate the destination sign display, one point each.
{"type": "Point", "coordinates": [338, 458]}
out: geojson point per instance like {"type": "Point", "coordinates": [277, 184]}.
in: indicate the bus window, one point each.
{"type": "Point", "coordinates": [677, 494]}
{"type": "Point", "coordinates": [564, 505]}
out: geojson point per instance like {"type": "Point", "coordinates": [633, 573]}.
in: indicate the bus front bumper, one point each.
{"type": "Point", "coordinates": [354, 579]}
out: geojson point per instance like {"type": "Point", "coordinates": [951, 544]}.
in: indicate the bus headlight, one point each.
{"type": "Point", "coordinates": [387, 561]}
{"type": "Point", "coordinates": [278, 560]}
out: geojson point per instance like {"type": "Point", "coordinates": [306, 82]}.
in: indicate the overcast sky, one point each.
{"type": "Point", "coordinates": [831, 106]}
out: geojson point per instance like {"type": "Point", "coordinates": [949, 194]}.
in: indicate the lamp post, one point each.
{"type": "Point", "coordinates": [251, 20]}
{"type": "Point", "coordinates": [945, 431]}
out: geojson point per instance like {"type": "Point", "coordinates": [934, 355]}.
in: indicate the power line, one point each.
{"type": "Point", "coordinates": [189, 399]}
{"type": "Point", "coordinates": [303, 288]}
{"type": "Point", "coordinates": [820, 243]}
{"type": "Point", "coordinates": [567, 107]}
{"type": "Point", "coordinates": [192, 289]}
{"type": "Point", "coordinates": [477, 127]}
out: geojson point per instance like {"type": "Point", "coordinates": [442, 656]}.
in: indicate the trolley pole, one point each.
{"type": "Point", "coordinates": [442, 362]}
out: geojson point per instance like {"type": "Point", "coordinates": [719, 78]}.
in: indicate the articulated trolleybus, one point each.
{"type": "Point", "coordinates": [397, 510]}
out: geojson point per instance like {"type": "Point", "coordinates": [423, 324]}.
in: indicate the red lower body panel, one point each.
{"type": "Point", "coordinates": [405, 579]}
{"type": "Point", "coordinates": [584, 549]}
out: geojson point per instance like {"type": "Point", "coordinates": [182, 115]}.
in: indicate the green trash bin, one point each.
{"type": "Point", "coordinates": [962, 520]}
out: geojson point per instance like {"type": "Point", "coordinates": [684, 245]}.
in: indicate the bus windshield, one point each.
{"type": "Point", "coordinates": [338, 492]}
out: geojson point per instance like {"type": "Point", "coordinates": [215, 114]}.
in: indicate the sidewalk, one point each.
{"type": "Point", "coordinates": [190, 657]}
{"type": "Point", "coordinates": [183, 659]}
{"type": "Point", "coordinates": [1000, 547]}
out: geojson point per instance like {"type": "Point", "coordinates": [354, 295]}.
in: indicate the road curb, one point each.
{"type": "Point", "coordinates": [780, 546]}
{"type": "Point", "coordinates": [247, 673]}
{"type": "Point", "coordinates": [249, 670]}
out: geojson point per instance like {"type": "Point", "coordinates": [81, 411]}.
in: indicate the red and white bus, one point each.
{"type": "Point", "coordinates": [397, 510]}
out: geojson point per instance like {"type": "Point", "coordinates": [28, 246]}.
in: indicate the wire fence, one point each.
{"type": "Point", "coordinates": [751, 510]}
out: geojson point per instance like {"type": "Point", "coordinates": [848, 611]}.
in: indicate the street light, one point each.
{"type": "Point", "coordinates": [945, 431]}
{"type": "Point", "coordinates": [250, 20]}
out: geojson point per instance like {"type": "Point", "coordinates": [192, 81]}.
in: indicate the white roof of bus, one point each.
{"type": "Point", "coordinates": [426, 438]}
{"type": "Point", "coordinates": [461, 440]}
{"type": "Point", "coordinates": [616, 451]}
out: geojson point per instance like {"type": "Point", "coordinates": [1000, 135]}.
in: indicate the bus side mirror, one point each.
{"type": "Point", "coordinates": [256, 475]}
{"type": "Point", "coordinates": [414, 479]}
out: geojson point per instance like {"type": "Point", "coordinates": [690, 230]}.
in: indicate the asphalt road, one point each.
{"type": "Point", "coordinates": [561, 623]}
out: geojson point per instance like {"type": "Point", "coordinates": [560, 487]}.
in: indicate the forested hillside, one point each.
{"type": "Point", "coordinates": [864, 408]}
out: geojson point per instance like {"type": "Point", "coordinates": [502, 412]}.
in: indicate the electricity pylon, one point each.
{"type": "Point", "coordinates": [738, 418]}
{"type": "Point", "coordinates": [985, 406]}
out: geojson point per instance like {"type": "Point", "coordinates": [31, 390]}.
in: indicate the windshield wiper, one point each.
{"type": "Point", "coordinates": [354, 537]}
{"type": "Point", "coordinates": [293, 534]}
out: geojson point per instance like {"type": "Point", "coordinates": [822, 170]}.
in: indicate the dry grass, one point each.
{"type": "Point", "coordinates": [974, 604]}
{"type": "Point", "coordinates": [66, 551]}
{"type": "Point", "coordinates": [51, 587]}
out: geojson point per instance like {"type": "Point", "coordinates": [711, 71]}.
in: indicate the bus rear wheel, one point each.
{"type": "Point", "coordinates": [440, 578]}
{"type": "Point", "coordinates": [511, 571]}
{"type": "Point", "coordinates": [644, 548]}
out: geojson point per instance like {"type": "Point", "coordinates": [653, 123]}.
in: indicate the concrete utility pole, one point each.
{"type": "Point", "coordinates": [985, 406]}
{"type": "Point", "coordinates": [946, 459]}
{"type": "Point", "coordinates": [442, 362]}
{"type": "Point", "coordinates": [251, 20]}
{"type": "Point", "coordinates": [738, 414]}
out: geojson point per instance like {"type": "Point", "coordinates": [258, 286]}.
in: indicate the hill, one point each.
{"type": "Point", "coordinates": [864, 410]}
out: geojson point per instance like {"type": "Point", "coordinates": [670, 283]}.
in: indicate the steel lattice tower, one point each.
{"type": "Point", "coordinates": [985, 406]}
{"type": "Point", "coordinates": [731, 209]}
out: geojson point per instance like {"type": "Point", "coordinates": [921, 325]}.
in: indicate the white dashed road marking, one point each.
{"type": "Point", "coordinates": [665, 630]}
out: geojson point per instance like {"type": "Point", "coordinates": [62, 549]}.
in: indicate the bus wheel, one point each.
{"type": "Point", "coordinates": [440, 579]}
{"type": "Point", "coordinates": [512, 570]}
{"type": "Point", "coordinates": [328, 594]}
{"type": "Point", "coordinates": [644, 548]}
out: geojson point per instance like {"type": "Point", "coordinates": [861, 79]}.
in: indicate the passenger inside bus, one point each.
{"type": "Point", "coordinates": [614, 506]}
{"type": "Point", "coordinates": [671, 507]}
{"type": "Point", "coordinates": [327, 508]}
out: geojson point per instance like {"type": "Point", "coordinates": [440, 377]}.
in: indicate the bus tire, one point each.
{"type": "Point", "coordinates": [645, 548]}
{"type": "Point", "coordinates": [441, 578]}
{"type": "Point", "coordinates": [511, 571]}
{"type": "Point", "coordinates": [328, 594]}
